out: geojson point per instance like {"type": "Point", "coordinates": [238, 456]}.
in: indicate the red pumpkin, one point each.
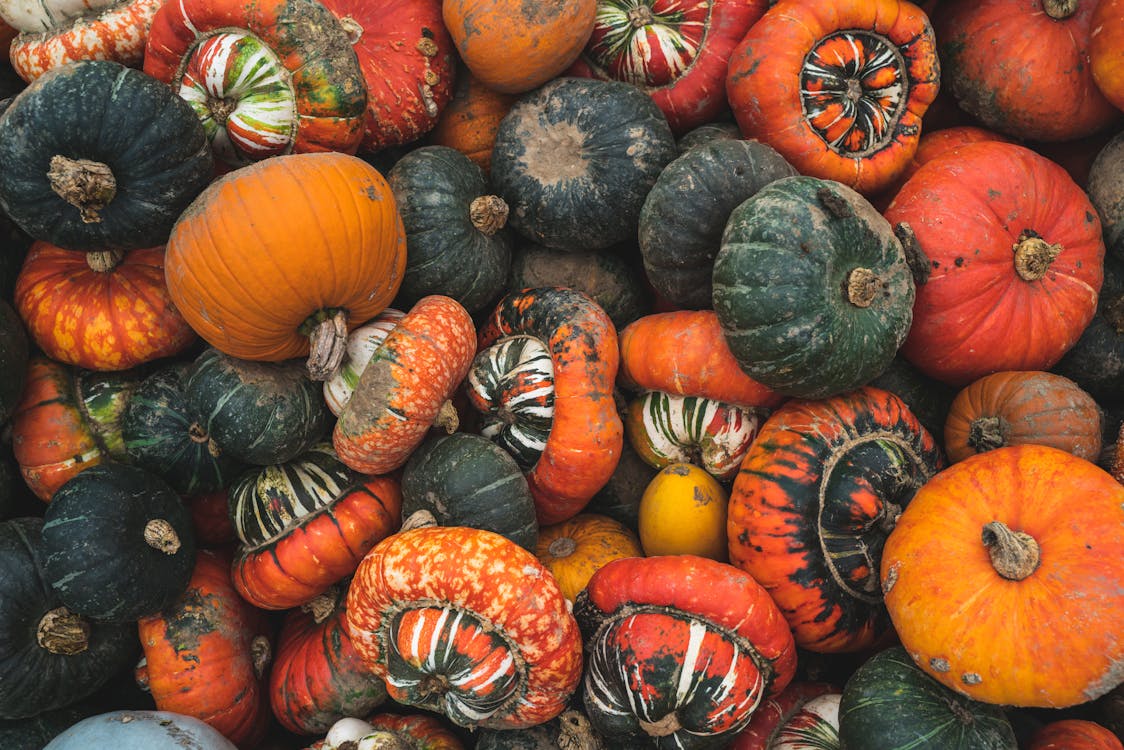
{"type": "Point", "coordinates": [1074, 734]}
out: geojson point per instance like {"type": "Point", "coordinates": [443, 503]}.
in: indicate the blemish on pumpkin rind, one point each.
{"type": "Point", "coordinates": [939, 665]}
{"type": "Point", "coordinates": [971, 678]}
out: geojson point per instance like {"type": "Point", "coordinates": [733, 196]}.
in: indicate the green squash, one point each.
{"type": "Point", "coordinates": [1096, 361]}
{"type": "Point", "coordinates": [36, 731]}
{"type": "Point", "coordinates": [1106, 191]}
{"type": "Point", "coordinates": [890, 704]}
{"type": "Point", "coordinates": [467, 480]}
{"type": "Point", "coordinates": [50, 657]}
{"type": "Point", "coordinates": [14, 353]}
{"type": "Point", "coordinates": [685, 213]}
{"type": "Point", "coordinates": [711, 131]}
{"type": "Point", "coordinates": [811, 288]}
{"type": "Point", "coordinates": [928, 399]}
{"type": "Point", "coordinates": [455, 241]}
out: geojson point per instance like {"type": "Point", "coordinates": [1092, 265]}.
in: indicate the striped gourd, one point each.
{"type": "Point", "coordinates": [814, 726]}
{"type": "Point", "coordinates": [361, 345]}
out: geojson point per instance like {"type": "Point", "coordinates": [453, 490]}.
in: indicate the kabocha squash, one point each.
{"type": "Point", "coordinates": [470, 121]}
{"type": "Point", "coordinates": [677, 52]}
{"type": "Point", "coordinates": [1011, 408]}
{"type": "Point", "coordinates": [263, 78]}
{"type": "Point", "coordinates": [305, 524]}
{"type": "Point", "coordinates": [685, 212]}
{"type": "Point", "coordinates": [106, 310]}
{"type": "Point", "coordinates": [575, 158]}
{"type": "Point", "coordinates": [1096, 361]}
{"type": "Point", "coordinates": [262, 287]}
{"type": "Point", "coordinates": [406, 387]}
{"type": "Point", "coordinates": [98, 156]}
{"type": "Point", "coordinates": [205, 654]}
{"type": "Point", "coordinates": [139, 730]}
{"type": "Point", "coordinates": [14, 355]}
{"type": "Point", "coordinates": [1106, 191]}
{"type": "Point", "coordinates": [811, 508]}
{"type": "Point", "coordinates": [811, 287]}
{"type": "Point", "coordinates": [317, 677]}
{"type": "Point", "coordinates": [1033, 537]}
{"type": "Point", "coordinates": [575, 549]}
{"type": "Point", "coordinates": [361, 344]}
{"type": "Point", "coordinates": [454, 242]}
{"type": "Point", "coordinates": [51, 657]}
{"type": "Point", "coordinates": [1106, 40]}
{"type": "Point", "coordinates": [683, 512]}
{"type": "Point", "coordinates": [500, 648]}
{"type": "Point", "coordinates": [572, 440]}
{"type": "Point", "coordinates": [1040, 87]}
{"type": "Point", "coordinates": [117, 543]}
{"type": "Point", "coordinates": [837, 87]}
{"type": "Point", "coordinates": [680, 651]}
{"type": "Point", "coordinates": [1074, 734]}
{"type": "Point", "coordinates": [1015, 261]}
{"type": "Point", "coordinates": [467, 480]}
{"type": "Point", "coordinates": [928, 399]}
{"type": "Point", "coordinates": [794, 720]}
{"type": "Point", "coordinates": [890, 704]}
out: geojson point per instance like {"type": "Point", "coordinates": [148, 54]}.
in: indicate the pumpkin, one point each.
{"type": "Point", "coordinates": [1041, 87]}
{"type": "Point", "coordinates": [467, 480]}
{"type": "Point", "coordinates": [890, 704]}
{"type": "Point", "coordinates": [1106, 191]}
{"type": "Point", "coordinates": [928, 399]}
{"type": "Point", "coordinates": [620, 498]}
{"type": "Point", "coordinates": [1010, 408]}
{"type": "Point", "coordinates": [1016, 261]}
{"type": "Point", "coordinates": [811, 508]}
{"type": "Point", "coordinates": [501, 649]}
{"type": "Point", "coordinates": [117, 543]}
{"type": "Point", "coordinates": [35, 732]}
{"type": "Point", "coordinates": [406, 386]}
{"type": "Point", "coordinates": [67, 421]}
{"type": "Point", "coordinates": [106, 310]}
{"type": "Point", "coordinates": [685, 212]}
{"type": "Point", "coordinates": [99, 156]}
{"type": "Point", "coordinates": [139, 730]}
{"type": "Point", "coordinates": [720, 130]}
{"type": "Point", "coordinates": [567, 347]}
{"type": "Point", "coordinates": [14, 354]}
{"type": "Point", "coordinates": [454, 242]}
{"type": "Point", "coordinates": [390, 732]}
{"type": "Point", "coordinates": [677, 52]}
{"type": "Point", "coordinates": [206, 653]}
{"type": "Point", "coordinates": [210, 519]}
{"type": "Point", "coordinates": [681, 650]}
{"type": "Point", "coordinates": [1106, 39]}
{"type": "Point", "coordinates": [575, 159]}
{"type": "Point", "coordinates": [811, 287]}
{"type": "Point", "coordinates": [470, 120]}
{"type": "Point", "coordinates": [262, 287]}
{"type": "Point", "coordinates": [317, 678]}
{"type": "Point", "coordinates": [305, 524]}
{"type": "Point", "coordinates": [52, 657]}
{"type": "Point", "coordinates": [683, 512]}
{"type": "Point", "coordinates": [512, 47]}
{"type": "Point", "coordinates": [1033, 528]}
{"type": "Point", "coordinates": [577, 548]}
{"type": "Point", "coordinates": [361, 344]}
{"type": "Point", "coordinates": [794, 719]}
{"type": "Point", "coordinates": [1074, 734]}
{"type": "Point", "coordinates": [263, 79]}
{"type": "Point", "coordinates": [570, 729]}
{"type": "Point", "coordinates": [1096, 361]}
{"type": "Point", "coordinates": [837, 87]}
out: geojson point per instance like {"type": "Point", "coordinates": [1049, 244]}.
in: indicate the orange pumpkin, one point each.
{"type": "Point", "coordinates": [470, 121]}
{"type": "Point", "coordinates": [575, 549]}
{"type": "Point", "coordinates": [512, 46]}
{"type": "Point", "coordinates": [1106, 50]}
{"type": "Point", "coordinates": [1074, 734]}
{"type": "Point", "coordinates": [318, 247]}
{"type": "Point", "coordinates": [1022, 541]}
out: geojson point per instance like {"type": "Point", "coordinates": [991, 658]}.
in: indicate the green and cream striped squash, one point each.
{"type": "Point", "coordinates": [814, 726]}
{"type": "Point", "coordinates": [361, 345]}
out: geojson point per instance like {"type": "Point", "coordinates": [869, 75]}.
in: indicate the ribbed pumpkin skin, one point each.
{"type": "Point", "coordinates": [36, 679]}
{"type": "Point", "coordinates": [199, 654]}
{"type": "Point", "coordinates": [890, 704]}
{"type": "Point", "coordinates": [149, 138]}
{"type": "Point", "coordinates": [100, 320]}
{"type": "Point", "coordinates": [471, 607]}
{"type": "Point", "coordinates": [685, 212]}
{"type": "Point", "coordinates": [781, 293]}
{"type": "Point", "coordinates": [937, 558]}
{"type": "Point", "coordinates": [248, 287]}
{"type": "Point", "coordinates": [1074, 734]}
{"type": "Point", "coordinates": [576, 549]}
{"type": "Point", "coordinates": [361, 345]}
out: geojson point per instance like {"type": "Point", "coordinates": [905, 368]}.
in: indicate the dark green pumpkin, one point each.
{"type": "Point", "coordinates": [467, 480]}
{"type": "Point", "coordinates": [49, 657]}
{"type": "Point", "coordinates": [14, 353]}
{"type": "Point", "coordinates": [575, 159]}
{"type": "Point", "coordinates": [455, 242]}
{"type": "Point", "coordinates": [928, 399]}
{"type": "Point", "coordinates": [1106, 190]}
{"type": "Point", "coordinates": [1096, 361]}
{"type": "Point", "coordinates": [118, 543]}
{"type": "Point", "coordinates": [620, 498]}
{"type": "Point", "coordinates": [685, 213]}
{"type": "Point", "coordinates": [165, 434]}
{"type": "Point", "coordinates": [711, 131]}
{"type": "Point", "coordinates": [811, 288]}
{"type": "Point", "coordinates": [33, 733]}
{"type": "Point", "coordinates": [890, 704]}
{"type": "Point", "coordinates": [570, 730]}
{"type": "Point", "coordinates": [125, 150]}
{"type": "Point", "coordinates": [260, 413]}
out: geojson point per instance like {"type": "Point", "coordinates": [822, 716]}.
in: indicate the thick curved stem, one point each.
{"type": "Point", "coordinates": [327, 346]}
{"type": "Point", "coordinates": [1014, 554]}
{"type": "Point", "coordinates": [1033, 256]}
{"type": "Point", "coordinates": [988, 433]}
{"type": "Point", "coordinates": [104, 261]}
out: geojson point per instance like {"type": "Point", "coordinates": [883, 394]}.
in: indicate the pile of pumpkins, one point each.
{"type": "Point", "coordinates": [448, 374]}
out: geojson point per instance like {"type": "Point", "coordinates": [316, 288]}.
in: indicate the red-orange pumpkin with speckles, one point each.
{"type": "Point", "coordinates": [465, 623]}
{"type": "Point", "coordinates": [100, 311]}
{"type": "Point", "coordinates": [1074, 734]}
{"type": "Point", "coordinates": [1024, 537]}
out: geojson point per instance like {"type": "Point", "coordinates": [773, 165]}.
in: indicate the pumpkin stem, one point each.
{"type": "Point", "coordinates": [433, 684]}
{"type": "Point", "coordinates": [662, 728]}
{"type": "Point", "coordinates": [561, 547]}
{"type": "Point", "coordinates": [419, 519]}
{"type": "Point", "coordinates": [915, 257]}
{"type": "Point", "coordinates": [327, 346]}
{"type": "Point", "coordinates": [862, 285]}
{"type": "Point", "coordinates": [352, 28]}
{"type": "Point", "coordinates": [835, 204]}
{"type": "Point", "coordinates": [988, 433]}
{"type": "Point", "coordinates": [1059, 9]}
{"type": "Point", "coordinates": [87, 185]}
{"type": "Point", "coordinates": [322, 606]}
{"type": "Point", "coordinates": [221, 109]}
{"type": "Point", "coordinates": [576, 732]}
{"type": "Point", "coordinates": [447, 418]}
{"type": "Point", "coordinates": [260, 654]}
{"type": "Point", "coordinates": [1014, 554]}
{"type": "Point", "coordinates": [160, 535]}
{"type": "Point", "coordinates": [104, 261]}
{"type": "Point", "coordinates": [639, 16]}
{"type": "Point", "coordinates": [1033, 256]}
{"type": "Point", "coordinates": [488, 213]}
{"type": "Point", "coordinates": [62, 632]}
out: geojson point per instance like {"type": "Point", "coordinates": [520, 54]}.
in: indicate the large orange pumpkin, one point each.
{"type": "Point", "coordinates": [1106, 50]}
{"type": "Point", "coordinates": [292, 248]}
{"type": "Point", "coordinates": [1002, 578]}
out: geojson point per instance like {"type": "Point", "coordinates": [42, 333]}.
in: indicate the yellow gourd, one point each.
{"type": "Point", "coordinates": [683, 512]}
